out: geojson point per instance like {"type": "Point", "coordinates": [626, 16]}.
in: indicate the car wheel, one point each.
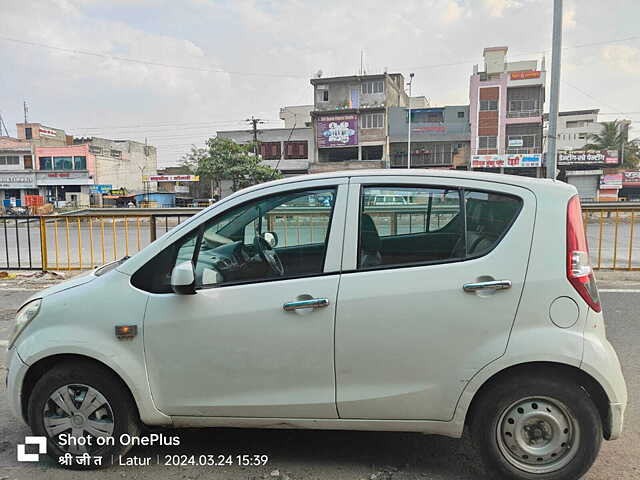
{"type": "Point", "coordinates": [541, 428]}
{"type": "Point", "coordinates": [82, 408]}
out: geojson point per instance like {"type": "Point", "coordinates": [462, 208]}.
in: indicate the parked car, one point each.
{"type": "Point", "coordinates": [488, 321]}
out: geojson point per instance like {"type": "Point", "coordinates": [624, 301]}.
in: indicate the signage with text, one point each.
{"type": "Point", "coordinates": [100, 188]}
{"type": "Point", "coordinates": [337, 131]}
{"type": "Point", "coordinates": [525, 75]}
{"type": "Point", "coordinates": [611, 181]}
{"type": "Point", "coordinates": [631, 179]}
{"type": "Point", "coordinates": [171, 178]}
{"type": "Point", "coordinates": [588, 157]}
{"type": "Point", "coordinates": [17, 180]}
{"type": "Point", "coordinates": [47, 132]}
{"type": "Point", "coordinates": [508, 161]}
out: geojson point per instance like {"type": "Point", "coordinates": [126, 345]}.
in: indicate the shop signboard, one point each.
{"type": "Point", "coordinates": [337, 131]}
{"type": "Point", "coordinates": [588, 157]}
{"type": "Point", "coordinates": [631, 179]}
{"type": "Point", "coordinates": [63, 178]}
{"type": "Point", "coordinates": [171, 178]}
{"type": "Point", "coordinates": [525, 75]}
{"type": "Point", "coordinates": [100, 188]}
{"type": "Point", "coordinates": [611, 181]}
{"type": "Point", "coordinates": [47, 132]}
{"type": "Point", "coordinates": [509, 161]}
{"type": "Point", "coordinates": [17, 180]}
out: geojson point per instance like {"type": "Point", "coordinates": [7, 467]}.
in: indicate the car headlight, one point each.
{"type": "Point", "coordinates": [23, 317]}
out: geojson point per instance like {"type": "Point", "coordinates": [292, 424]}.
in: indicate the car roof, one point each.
{"type": "Point", "coordinates": [535, 184]}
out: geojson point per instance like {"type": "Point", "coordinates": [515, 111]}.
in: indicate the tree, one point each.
{"type": "Point", "coordinates": [614, 136]}
{"type": "Point", "coordinates": [224, 159]}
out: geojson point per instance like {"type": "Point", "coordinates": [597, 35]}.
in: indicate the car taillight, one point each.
{"type": "Point", "coordinates": [579, 271]}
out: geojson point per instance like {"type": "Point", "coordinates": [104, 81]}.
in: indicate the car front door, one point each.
{"type": "Point", "coordinates": [241, 346]}
{"type": "Point", "coordinates": [409, 336]}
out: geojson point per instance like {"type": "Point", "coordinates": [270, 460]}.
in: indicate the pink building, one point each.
{"type": "Point", "coordinates": [505, 113]}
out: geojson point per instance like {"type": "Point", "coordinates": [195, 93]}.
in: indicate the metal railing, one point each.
{"type": "Point", "coordinates": [78, 242]}
{"type": "Point", "coordinates": [524, 113]}
{"type": "Point", "coordinates": [613, 235]}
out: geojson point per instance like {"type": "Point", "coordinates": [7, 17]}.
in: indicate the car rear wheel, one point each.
{"type": "Point", "coordinates": [82, 408]}
{"type": "Point", "coordinates": [541, 428]}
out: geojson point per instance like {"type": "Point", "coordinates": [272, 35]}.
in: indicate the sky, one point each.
{"type": "Point", "coordinates": [175, 72]}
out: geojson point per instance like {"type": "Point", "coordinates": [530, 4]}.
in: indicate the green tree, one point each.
{"type": "Point", "coordinates": [614, 136]}
{"type": "Point", "coordinates": [224, 159]}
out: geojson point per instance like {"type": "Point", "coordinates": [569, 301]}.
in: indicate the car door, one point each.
{"type": "Point", "coordinates": [232, 349]}
{"type": "Point", "coordinates": [408, 335]}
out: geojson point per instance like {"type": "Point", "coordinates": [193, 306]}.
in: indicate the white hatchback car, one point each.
{"type": "Point", "coordinates": [302, 303]}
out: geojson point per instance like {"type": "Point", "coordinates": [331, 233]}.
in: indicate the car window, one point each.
{"type": "Point", "coordinates": [489, 216]}
{"type": "Point", "coordinates": [417, 225]}
{"type": "Point", "coordinates": [431, 225]}
{"type": "Point", "coordinates": [280, 236]}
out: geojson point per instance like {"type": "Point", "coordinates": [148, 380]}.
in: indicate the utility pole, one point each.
{"type": "Point", "coordinates": [254, 125]}
{"type": "Point", "coordinates": [409, 134]}
{"type": "Point", "coordinates": [554, 98]}
{"type": "Point", "coordinates": [26, 109]}
{"type": "Point", "coordinates": [2, 124]}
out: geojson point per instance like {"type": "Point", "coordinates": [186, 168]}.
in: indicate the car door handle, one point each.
{"type": "Point", "coordinates": [311, 303]}
{"type": "Point", "coordinates": [491, 285]}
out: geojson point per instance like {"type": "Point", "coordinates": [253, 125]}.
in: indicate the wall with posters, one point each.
{"type": "Point", "coordinates": [337, 131]}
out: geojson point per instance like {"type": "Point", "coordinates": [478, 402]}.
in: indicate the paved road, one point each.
{"type": "Point", "coordinates": [342, 455]}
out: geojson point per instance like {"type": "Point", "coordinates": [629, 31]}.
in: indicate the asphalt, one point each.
{"type": "Point", "coordinates": [298, 454]}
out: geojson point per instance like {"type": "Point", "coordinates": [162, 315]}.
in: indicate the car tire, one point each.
{"type": "Point", "coordinates": [541, 427]}
{"type": "Point", "coordinates": [115, 415]}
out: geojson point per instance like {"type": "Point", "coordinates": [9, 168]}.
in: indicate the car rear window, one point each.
{"type": "Point", "coordinates": [431, 224]}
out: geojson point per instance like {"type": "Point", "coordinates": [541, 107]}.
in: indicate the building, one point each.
{"type": "Point", "coordinates": [296, 116]}
{"type": "Point", "coordinates": [289, 150]}
{"type": "Point", "coordinates": [575, 127]}
{"type": "Point", "coordinates": [17, 176]}
{"type": "Point", "coordinates": [350, 120]}
{"type": "Point", "coordinates": [506, 105]}
{"type": "Point", "coordinates": [439, 137]}
{"type": "Point", "coordinates": [78, 171]}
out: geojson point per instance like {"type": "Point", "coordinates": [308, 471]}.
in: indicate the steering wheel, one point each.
{"type": "Point", "coordinates": [269, 255]}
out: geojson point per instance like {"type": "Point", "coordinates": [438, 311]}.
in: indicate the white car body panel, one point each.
{"type": "Point", "coordinates": [78, 317]}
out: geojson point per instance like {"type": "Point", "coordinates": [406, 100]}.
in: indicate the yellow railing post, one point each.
{"type": "Point", "coordinates": [55, 240]}
{"type": "Point", "coordinates": [615, 239]}
{"type": "Point", "coordinates": [102, 240]}
{"type": "Point", "coordinates": [79, 244]}
{"type": "Point", "coordinates": [43, 243]}
{"type": "Point", "coordinates": [66, 226]}
{"type": "Point", "coordinates": [115, 247]}
{"type": "Point", "coordinates": [126, 236]}
{"type": "Point", "coordinates": [631, 240]}
{"type": "Point", "coordinates": [91, 242]}
{"type": "Point", "coordinates": [600, 238]}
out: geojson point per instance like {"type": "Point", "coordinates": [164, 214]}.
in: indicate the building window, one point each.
{"type": "Point", "coordinates": [488, 105]}
{"type": "Point", "coordinates": [421, 116]}
{"type": "Point", "coordinates": [80, 163]}
{"type": "Point", "coordinates": [523, 105]}
{"type": "Point", "coordinates": [376, 86]}
{"type": "Point", "coordinates": [521, 141]}
{"type": "Point", "coordinates": [372, 120]}
{"type": "Point", "coordinates": [28, 162]}
{"type": "Point", "coordinates": [45, 163]}
{"type": "Point", "coordinates": [270, 150]}
{"type": "Point", "coordinates": [296, 149]}
{"type": "Point", "coordinates": [62, 163]}
{"type": "Point", "coordinates": [325, 96]}
{"type": "Point", "coordinates": [578, 123]}
{"type": "Point", "coordinates": [582, 136]}
{"type": "Point", "coordinates": [487, 143]}
{"type": "Point", "coordinates": [116, 154]}
{"type": "Point", "coordinates": [28, 133]}
{"type": "Point", "coordinates": [460, 114]}
{"type": "Point", "coordinates": [9, 160]}
{"type": "Point", "coordinates": [95, 150]}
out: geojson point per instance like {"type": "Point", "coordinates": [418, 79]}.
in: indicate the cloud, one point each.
{"type": "Point", "coordinates": [622, 58]}
{"type": "Point", "coordinates": [497, 8]}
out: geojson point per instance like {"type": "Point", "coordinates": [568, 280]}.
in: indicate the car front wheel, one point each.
{"type": "Point", "coordinates": [541, 427]}
{"type": "Point", "coordinates": [82, 409]}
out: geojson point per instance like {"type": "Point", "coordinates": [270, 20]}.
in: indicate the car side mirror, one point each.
{"type": "Point", "coordinates": [183, 279]}
{"type": "Point", "coordinates": [271, 238]}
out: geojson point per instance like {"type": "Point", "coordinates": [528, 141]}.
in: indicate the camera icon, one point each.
{"type": "Point", "coordinates": [23, 456]}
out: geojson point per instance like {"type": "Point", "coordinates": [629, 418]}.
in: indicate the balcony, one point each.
{"type": "Point", "coordinates": [524, 113]}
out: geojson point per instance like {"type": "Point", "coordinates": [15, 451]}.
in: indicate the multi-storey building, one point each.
{"type": "Point", "coordinates": [67, 170]}
{"type": "Point", "coordinates": [439, 137]}
{"type": "Point", "coordinates": [506, 105]}
{"type": "Point", "coordinates": [351, 120]}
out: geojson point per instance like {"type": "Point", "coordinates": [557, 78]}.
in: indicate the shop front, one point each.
{"type": "Point", "coordinates": [14, 186]}
{"type": "Point", "coordinates": [65, 188]}
{"type": "Point", "coordinates": [514, 164]}
{"type": "Point", "coordinates": [584, 169]}
{"type": "Point", "coordinates": [630, 190]}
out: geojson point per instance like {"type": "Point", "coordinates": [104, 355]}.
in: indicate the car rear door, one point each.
{"type": "Point", "coordinates": [408, 335]}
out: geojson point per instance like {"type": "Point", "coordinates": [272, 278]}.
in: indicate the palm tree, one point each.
{"type": "Point", "coordinates": [611, 137]}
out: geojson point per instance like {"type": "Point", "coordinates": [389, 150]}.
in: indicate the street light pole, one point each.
{"type": "Point", "coordinates": [556, 54]}
{"type": "Point", "coordinates": [409, 134]}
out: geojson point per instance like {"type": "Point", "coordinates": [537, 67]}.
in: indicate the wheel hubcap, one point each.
{"type": "Point", "coordinates": [81, 412]}
{"type": "Point", "coordinates": [538, 435]}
